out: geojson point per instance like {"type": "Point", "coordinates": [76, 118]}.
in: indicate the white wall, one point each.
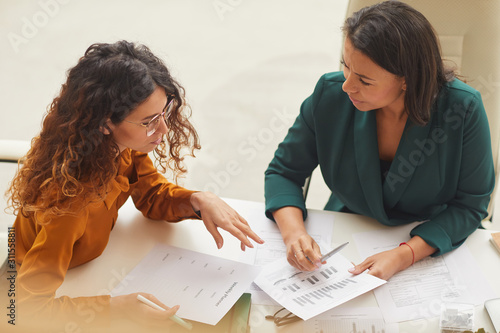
{"type": "Point", "coordinates": [246, 67]}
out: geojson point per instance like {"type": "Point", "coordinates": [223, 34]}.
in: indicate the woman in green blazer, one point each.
{"type": "Point", "coordinates": [397, 138]}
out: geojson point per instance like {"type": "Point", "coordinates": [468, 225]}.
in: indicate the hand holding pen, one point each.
{"type": "Point", "coordinates": [315, 264]}
{"type": "Point", "coordinates": [137, 308]}
{"type": "Point", "coordinates": [174, 318]}
{"type": "Point", "coordinates": [331, 253]}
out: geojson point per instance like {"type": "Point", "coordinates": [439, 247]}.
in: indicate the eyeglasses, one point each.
{"type": "Point", "coordinates": [283, 320]}
{"type": "Point", "coordinates": [154, 123]}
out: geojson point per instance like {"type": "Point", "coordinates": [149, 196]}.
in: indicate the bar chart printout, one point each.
{"type": "Point", "coordinates": [350, 320]}
{"type": "Point", "coordinates": [307, 294]}
{"type": "Point", "coordinates": [319, 227]}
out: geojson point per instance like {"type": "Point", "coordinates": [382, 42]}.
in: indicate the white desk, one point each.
{"type": "Point", "coordinates": [134, 236]}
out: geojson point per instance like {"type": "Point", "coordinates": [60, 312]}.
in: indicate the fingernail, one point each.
{"type": "Point", "coordinates": [352, 270]}
{"type": "Point", "coordinates": [318, 264]}
{"type": "Point", "coordinates": [219, 245]}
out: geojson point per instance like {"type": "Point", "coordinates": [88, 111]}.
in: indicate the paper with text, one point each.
{"type": "Point", "coordinates": [204, 286]}
{"type": "Point", "coordinates": [318, 225]}
{"type": "Point", "coordinates": [307, 294]}
{"type": "Point", "coordinates": [350, 320]}
{"type": "Point", "coordinates": [418, 291]}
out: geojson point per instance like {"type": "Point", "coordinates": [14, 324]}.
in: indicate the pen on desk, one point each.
{"type": "Point", "coordinates": [174, 318]}
{"type": "Point", "coordinates": [332, 252]}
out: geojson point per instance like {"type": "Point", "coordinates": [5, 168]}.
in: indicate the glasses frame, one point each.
{"type": "Point", "coordinates": [283, 320]}
{"type": "Point", "coordinates": [164, 114]}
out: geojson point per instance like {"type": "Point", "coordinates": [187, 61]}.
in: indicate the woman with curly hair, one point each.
{"type": "Point", "coordinates": [118, 104]}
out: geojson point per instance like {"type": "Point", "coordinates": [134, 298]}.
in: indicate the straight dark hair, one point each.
{"type": "Point", "coordinates": [401, 40]}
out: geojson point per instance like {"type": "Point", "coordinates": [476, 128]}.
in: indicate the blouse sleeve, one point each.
{"type": "Point", "coordinates": [294, 160]}
{"type": "Point", "coordinates": [476, 180]}
{"type": "Point", "coordinates": [156, 197]}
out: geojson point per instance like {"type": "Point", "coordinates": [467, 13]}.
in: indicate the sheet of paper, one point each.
{"type": "Point", "coordinates": [418, 291]}
{"type": "Point", "coordinates": [350, 320]}
{"type": "Point", "coordinates": [205, 286]}
{"type": "Point", "coordinates": [318, 225]}
{"type": "Point", "coordinates": [307, 294]}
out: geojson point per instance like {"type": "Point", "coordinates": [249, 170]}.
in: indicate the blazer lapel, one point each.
{"type": "Point", "coordinates": [409, 156]}
{"type": "Point", "coordinates": [368, 162]}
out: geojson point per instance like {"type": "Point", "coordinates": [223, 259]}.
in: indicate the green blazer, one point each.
{"type": "Point", "coordinates": [442, 172]}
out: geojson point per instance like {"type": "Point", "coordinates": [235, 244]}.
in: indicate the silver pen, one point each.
{"type": "Point", "coordinates": [332, 252]}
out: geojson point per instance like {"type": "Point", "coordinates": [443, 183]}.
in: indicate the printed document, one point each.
{"type": "Point", "coordinates": [205, 286]}
{"type": "Point", "coordinates": [307, 294]}
{"type": "Point", "coordinates": [418, 291]}
{"type": "Point", "coordinates": [318, 225]}
{"type": "Point", "coordinates": [350, 320]}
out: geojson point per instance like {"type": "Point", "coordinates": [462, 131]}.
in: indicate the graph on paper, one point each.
{"type": "Point", "coordinates": [319, 228]}
{"type": "Point", "coordinates": [350, 326]}
{"type": "Point", "coordinates": [350, 320]}
{"type": "Point", "coordinates": [315, 288]}
{"type": "Point", "coordinates": [307, 294]}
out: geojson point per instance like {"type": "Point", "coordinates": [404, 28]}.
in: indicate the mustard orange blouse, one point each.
{"type": "Point", "coordinates": [44, 253]}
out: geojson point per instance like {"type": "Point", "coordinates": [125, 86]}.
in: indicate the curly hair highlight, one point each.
{"type": "Point", "coordinates": [71, 161]}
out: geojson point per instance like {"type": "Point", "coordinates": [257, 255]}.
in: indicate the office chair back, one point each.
{"type": "Point", "coordinates": [13, 151]}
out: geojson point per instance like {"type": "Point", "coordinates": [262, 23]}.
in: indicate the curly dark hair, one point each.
{"type": "Point", "coordinates": [71, 157]}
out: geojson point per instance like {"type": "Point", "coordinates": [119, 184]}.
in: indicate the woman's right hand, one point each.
{"type": "Point", "coordinates": [302, 251]}
{"type": "Point", "coordinates": [129, 307]}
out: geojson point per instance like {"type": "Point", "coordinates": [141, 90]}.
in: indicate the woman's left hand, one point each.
{"type": "Point", "coordinates": [216, 213]}
{"type": "Point", "coordinates": [385, 264]}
